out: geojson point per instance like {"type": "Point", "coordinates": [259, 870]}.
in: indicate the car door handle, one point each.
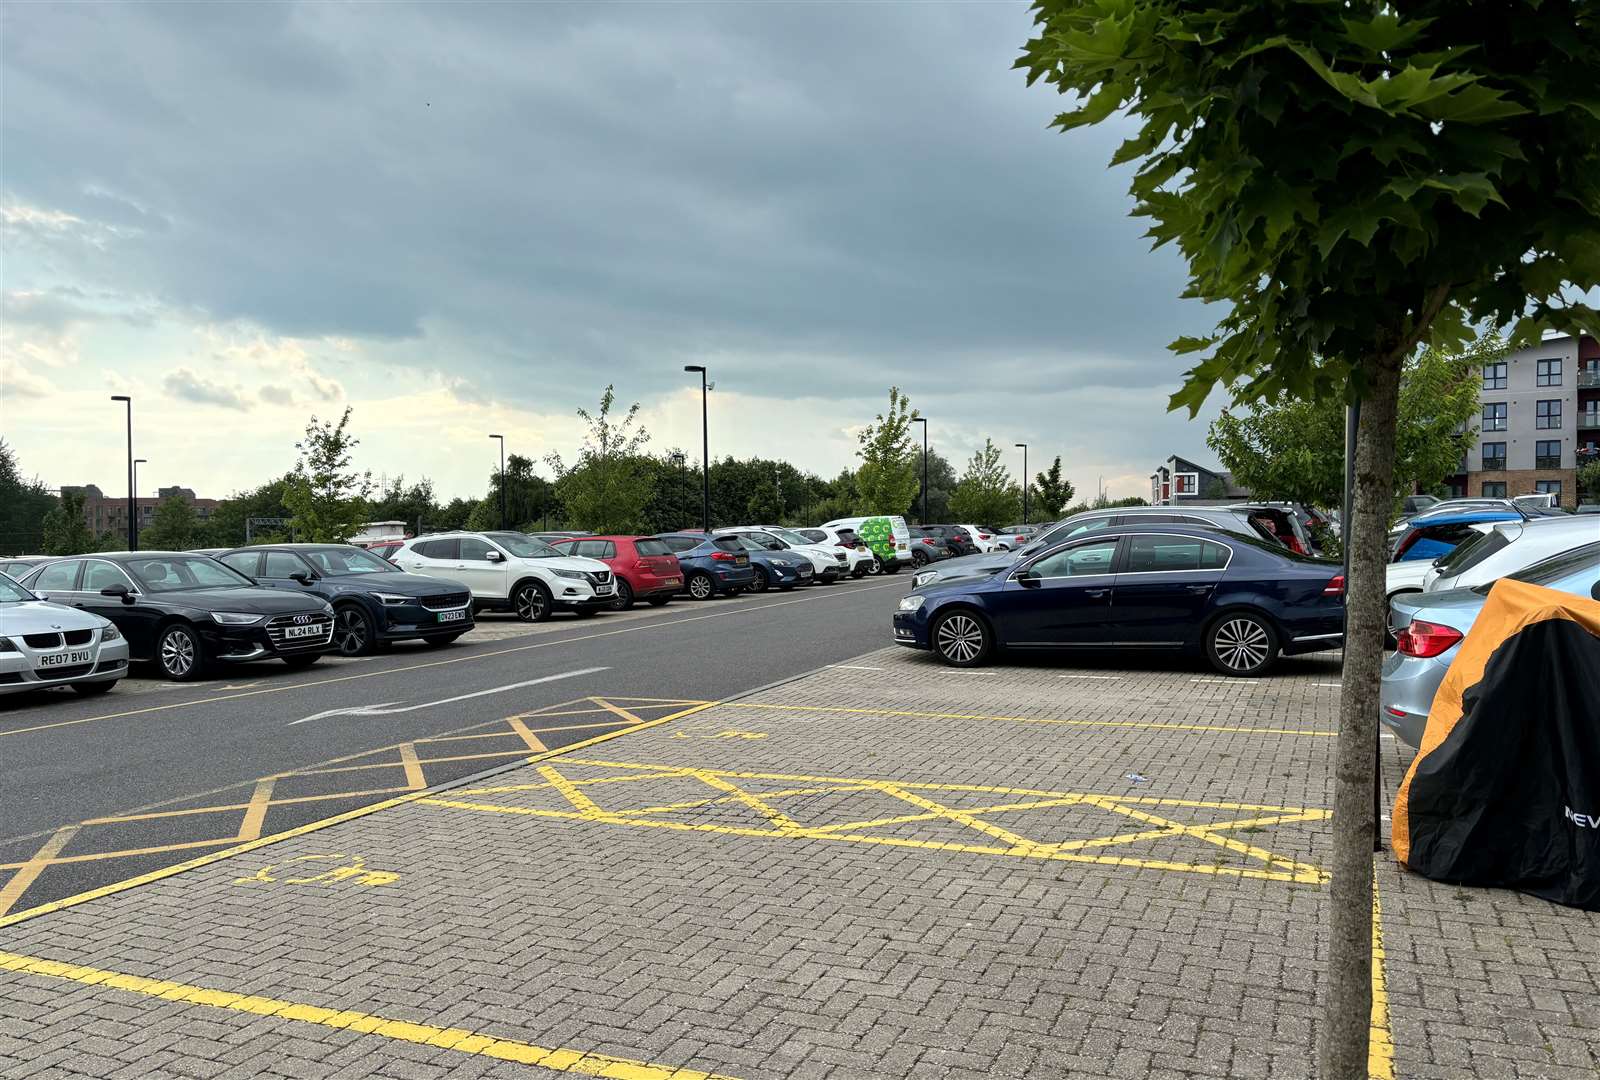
{"type": "Point", "coordinates": [1096, 594]}
{"type": "Point", "coordinates": [1200, 588]}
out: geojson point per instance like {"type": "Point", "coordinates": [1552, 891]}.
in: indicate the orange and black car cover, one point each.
{"type": "Point", "coordinates": [1505, 790]}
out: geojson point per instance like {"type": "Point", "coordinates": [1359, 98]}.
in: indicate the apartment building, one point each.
{"type": "Point", "coordinates": [109, 513]}
{"type": "Point", "coordinates": [1179, 480]}
{"type": "Point", "coordinates": [1540, 419]}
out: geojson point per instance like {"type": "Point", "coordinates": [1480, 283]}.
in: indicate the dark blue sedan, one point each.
{"type": "Point", "coordinates": [1240, 601]}
{"type": "Point", "coordinates": [711, 564]}
{"type": "Point", "coordinates": [374, 601]}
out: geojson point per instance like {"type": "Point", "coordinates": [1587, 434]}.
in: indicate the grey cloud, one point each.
{"type": "Point", "coordinates": [185, 384]}
{"type": "Point", "coordinates": [276, 395]}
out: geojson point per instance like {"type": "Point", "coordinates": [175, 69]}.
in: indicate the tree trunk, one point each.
{"type": "Point", "coordinates": [1345, 1027]}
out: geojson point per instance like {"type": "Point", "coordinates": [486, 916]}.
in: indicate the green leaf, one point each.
{"type": "Point", "coordinates": [1385, 33]}
{"type": "Point", "coordinates": [1185, 345]}
{"type": "Point", "coordinates": [1472, 104]}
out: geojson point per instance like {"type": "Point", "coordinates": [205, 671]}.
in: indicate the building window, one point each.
{"type": "Point", "coordinates": [1494, 489]}
{"type": "Point", "coordinates": [1549, 373]}
{"type": "Point", "coordinates": [1494, 455]}
{"type": "Point", "coordinates": [1547, 454]}
{"type": "Point", "coordinates": [1494, 416]}
{"type": "Point", "coordinates": [1185, 483]}
{"type": "Point", "coordinates": [1547, 415]}
{"type": "Point", "coordinates": [1494, 376]}
{"type": "Point", "coordinates": [1547, 487]}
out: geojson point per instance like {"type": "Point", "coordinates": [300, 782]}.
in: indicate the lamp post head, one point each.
{"type": "Point", "coordinates": [694, 367]}
{"type": "Point", "coordinates": [1020, 445]}
{"type": "Point", "coordinates": [497, 436]}
{"type": "Point", "coordinates": [120, 397]}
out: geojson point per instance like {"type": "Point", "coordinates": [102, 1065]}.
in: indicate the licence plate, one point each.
{"type": "Point", "coordinates": [453, 616]}
{"type": "Point", "coordinates": [66, 659]}
{"type": "Point", "coordinates": [602, 590]}
{"type": "Point", "coordinates": [805, 571]}
{"type": "Point", "coordinates": [673, 581]}
{"type": "Point", "coordinates": [291, 633]}
{"type": "Point", "coordinates": [742, 560]}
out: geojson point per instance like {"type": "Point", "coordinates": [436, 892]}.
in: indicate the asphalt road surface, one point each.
{"type": "Point", "coordinates": [95, 791]}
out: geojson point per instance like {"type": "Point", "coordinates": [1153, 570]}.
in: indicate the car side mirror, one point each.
{"type": "Point", "coordinates": [495, 556]}
{"type": "Point", "coordinates": [303, 577]}
{"type": "Point", "coordinates": [1595, 591]}
{"type": "Point", "coordinates": [1028, 579]}
{"type": "Point", "coordinates": [119, 591]}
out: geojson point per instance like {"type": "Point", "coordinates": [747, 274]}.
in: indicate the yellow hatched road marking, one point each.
{"type": "Point", "coordinates": [1020, 844]}
{"type": "Point", "coordinates": [255, 812]}
{"type": "Point", "coordinates": [415, 781]}
{"type": "Point", "coordinates": [532, 741]}
{"type": "Point", "coordinates": [1302, 871]}
{"type": "Point", "coordinates": [783, 821]}
{"type": "Point", "coordinates": [558, 1059]}
{"type": "Point", "coordinates": [586, 806]}
{"type": "Point", "coordinates": [30, 870]}
{"type": "Point", "coordinates": [1152, 725]}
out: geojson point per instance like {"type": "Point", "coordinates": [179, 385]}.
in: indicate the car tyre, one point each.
{"type": "Point", "coordinates": [441, 640]}
{"type": "Point", "coordinates": [961, 639]}
{"type": "Point", "coordinates": [353, 631]}
{"type": "Point", "coordinates": [859, 571]}
{"type": "Point", "coordinates": [1241, 643]}
{"type": "Point", "coordinates": [94, 689]}
{"type": "Point", "coordinates": [624, 600]}
{"type": "Point", "coordinates": [700, 587]}
{"type": "Point", "coordinates": [875, 567]}
{"type": "Point", "coordinates": [891, 567]}
{"type": "Point", "coordinates": [179, 653]}
{"type": "Point", "coordinates": [762, 582]}
{"type": "Point", "coordinates": [918, 560]}
{"type": "Point", "coordinates": [531, 602]}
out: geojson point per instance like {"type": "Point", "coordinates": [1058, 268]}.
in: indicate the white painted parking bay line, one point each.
{"type": "Point", "coordinates": [390, 707]}
{"type": "Point", "coordinates": [1109, 678]}
{"type": "Point", "coordinates": [854, 667]}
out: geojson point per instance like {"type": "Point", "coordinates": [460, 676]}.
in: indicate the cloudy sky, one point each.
{"type": "Point", "coordinates": [468, 218]}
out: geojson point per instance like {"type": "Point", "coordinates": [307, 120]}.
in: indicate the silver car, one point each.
{"type": "Point", "coordinates": [1504, 548]}
{"type": "Point", "coordinates": [1430, 628]}
{"type": "Point", "coordinates": [44, 645]}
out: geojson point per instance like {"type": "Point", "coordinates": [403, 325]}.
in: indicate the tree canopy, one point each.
{"type": "Point", "coordinates": [986, 494]}
{"type": "Point", "coordinates": [607, 488]}
{"type": "Point", "coordinates": [23, 506]}
{"type": "Point", "coordinates": [174, 527]}
{"type": "Point", "coordinates": [63, 529]}
{"type": "Point", "coordinates": [890, 473]}
{"type": "Point", "coordinates": [1050, 492]}
{"type": "Point", "coordinates": [327, 497]}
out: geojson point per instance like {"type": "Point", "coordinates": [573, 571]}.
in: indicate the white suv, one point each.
{"type": "Point", "coordinates": [856, 551]}
{"type": "Point", "coordinates": [830, 563]}
{"type": "Point", "coordinates": [511, 571]}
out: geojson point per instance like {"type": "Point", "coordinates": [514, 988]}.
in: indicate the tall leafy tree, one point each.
{"type": "Point", "coordinates": [23, 506]}
{"type": "Point", "coordinates": [226, 527]}
{"type": "Point", "coordinates": [327, 497]}
{"type": "Point", "coordinates": [174, 527]}
{"type": "Point", "coordinates": [1051, 493]}
{"type": "Point", "coordinates": [889, 477]}
{"type": "Point", "coordinates": [607, 489]}
{"type": "Point", "coordinates": [1289, 448]}
{"type": "Point", "coordinates": [1348, 182]}
{"type": "Point", "coordinates": [986, 494]}
{"type": "Point", "coordinates": [63, 529]}
{"type": "Point", "coordinates": [397, 501]}
{"type": "Point", "coordinates": [1589, 481]}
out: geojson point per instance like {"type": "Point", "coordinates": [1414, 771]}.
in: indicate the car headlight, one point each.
{"type": "Point", "coordinates": [391, 599]}
{"type": "Point", "coordinates": [922, 579]}
{"type": "Point", "coordinates": [236, 618]}
{"type": "Point", "coordinates": [110, 633]}
{"type": "Point", "coordinates": [911, 603]}
{"type": "Point", "coordinates": [6, 646]}
{"type": "Point", "coordinates": [579, 574]}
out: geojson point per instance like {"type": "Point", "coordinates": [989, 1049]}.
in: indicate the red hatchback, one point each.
{"type": "Point", "coordinates": [645, 567]}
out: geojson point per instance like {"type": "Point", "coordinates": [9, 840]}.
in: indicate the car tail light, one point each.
{"type": "Point", "coordinates": [929, 541]}
{"type": "Point", "coordinates": [1335, 586]}
{"type": "Point", "coordinates": [1295, 545]}
{"type": "Point", "coordinates": [723, 556]}
{"type": "Point", "coordinates": [1426, 638]}
{"type": "Point", "coordinates": [984, 536]}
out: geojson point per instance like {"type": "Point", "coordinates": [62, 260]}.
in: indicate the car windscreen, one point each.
{"type": "Point", "coordinates": [340, 562]}
{"type": "Point", "coordinates": [651, 547]}
{"type": "Point", "coordinates": [788, 536]}
{"type": "Point", "coordinates": [523, 546]}
{"type": "Point", "coordinates": [736, 543]}
{"type": "Point", "coordinates": [746, 543]}
{"type": "Point", "coordinates": [11, 592]}
{"type": "Point", "coordinates": [172, 573]}
{"type": "Point", "coordinates": [1555, 568]}
{"type": "Point", "coordinates": [1472, 552]}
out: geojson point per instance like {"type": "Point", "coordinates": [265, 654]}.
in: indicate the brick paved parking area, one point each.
{"type": "Point", "coordinates": [885, 869]}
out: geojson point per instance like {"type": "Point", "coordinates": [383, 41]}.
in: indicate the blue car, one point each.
{"type": "Point", "coordinates": [374, 601]}
{"type": "Point", "coordinates": [1435, 535]}
{"type": "Point", "coordinates": [1240, 601]}
{"type": "Point", "coordinates": [778, 569]}
{"type": "Point", "coordinates": [712, 565]}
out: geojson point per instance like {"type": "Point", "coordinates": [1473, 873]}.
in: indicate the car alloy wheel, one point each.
{"type": "Point", "coordinates": [961, 639]}
{"type": "Point", "coordinates": [531, 603]}
{"type": "Point", "coordinates": [1241, 645]}
{"type": "Point", "coordinates": [179, 654]}
{"type": "Point", "coordinates": [624, 600]}
{"type": "Point", "coordinates": [701, 587]}
{"type": "Point", "coordinates": [352, 631]}
{"type": "Point", "coordinates": [762, 582]}
{"type": "Point", "coordinates": [875, 566]}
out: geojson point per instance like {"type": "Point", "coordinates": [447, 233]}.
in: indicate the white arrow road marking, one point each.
{"type": "Point", "coordinates": [390, 708]}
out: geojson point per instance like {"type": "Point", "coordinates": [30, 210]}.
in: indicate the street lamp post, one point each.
{"type": "Point", "coordinates": [1024, 448]}
{"type": "Point", "coordinates": [705, 450]}
{"type": "Point", "coordinates": [133, 527]}
{"type": "Point", "coordinates": [923, 420]}
{"type": "Point", "coordinates": [502, 438]}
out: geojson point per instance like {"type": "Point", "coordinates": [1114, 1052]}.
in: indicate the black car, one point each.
{"type": "Point", "coordinates": [928, 546]}
{"type": "Point", "coordinates": [955, 538]}
{"type": "Point", "coordinates": [374, 602]}
{"type": "Point", "coordinates": [186, 612]}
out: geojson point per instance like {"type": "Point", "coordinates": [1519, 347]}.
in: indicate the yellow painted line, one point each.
{"type": "Point", "coordinates": [158, 814]}
{"type": "Point", "coordinates": [1301, 871]}
{"type": "Point", "coordinates": [29, 871]}
{"type": "Point", "coordinates": [309, 827]}
{"type": "Point", "coordinates": [1033, 852]}
{"type": "Point", "coordinates": [586, 806]}
{"type": "Point", "coordinates": [557, 1059]}
{"type": "Point", "coordinates": [1380, 1040]}
{"type": "Point", "coordinates": [1021, 844]}
{"type": "Point", "coordinates": [742, 610]}
{"type": "Point", "coordinates": [783, 822]}
{"type": "Point", "coordinates": [415, 780]}
{"type": "Point", "coordinates": [255, 812]}
{"type": "Point", "coordinates": [618, 710]}
{"type": "Point", "coordinates": [1150, 725]}
{"type": "Point", "coordinates": [532, 741]}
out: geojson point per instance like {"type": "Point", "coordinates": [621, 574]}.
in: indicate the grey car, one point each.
{"type": "Point", "coordinates": [1240, 520]}
{"type": "Point", "coordinates": [1412, 673]}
